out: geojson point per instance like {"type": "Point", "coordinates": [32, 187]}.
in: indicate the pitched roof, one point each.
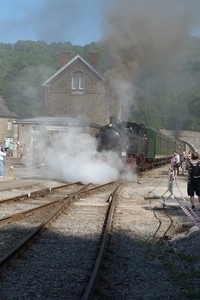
{"type": "Point", "coordinates": [4, 111]}
{"type": "Point", "coordinates": [76, 58]}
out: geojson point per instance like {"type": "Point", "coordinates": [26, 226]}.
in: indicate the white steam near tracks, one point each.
{"type": "Point", "coordinates": [73, 157]}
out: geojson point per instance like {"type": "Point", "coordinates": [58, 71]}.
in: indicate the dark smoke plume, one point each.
{"type": "Point", "coordinates": [138, 32]}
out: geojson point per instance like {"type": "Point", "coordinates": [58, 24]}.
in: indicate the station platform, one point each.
{"type": "Point", "coordinates": [16, 174]}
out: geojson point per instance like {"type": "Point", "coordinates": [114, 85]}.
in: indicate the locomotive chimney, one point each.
{"type": "Point", "coordinates": [113, 120]}
{"type": "Point", "coordinates": [94, 60]}
{"type": "Point", "coordinates": [64, 58]}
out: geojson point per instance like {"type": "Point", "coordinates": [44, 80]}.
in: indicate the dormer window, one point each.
{"type": "Point", "coordinates": [78, 81]}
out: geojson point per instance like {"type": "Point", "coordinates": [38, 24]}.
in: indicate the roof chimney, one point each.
{"type": "Point", "coordinates": [94, 60]}
{"type": "Point", "coordinates": [64, 58]}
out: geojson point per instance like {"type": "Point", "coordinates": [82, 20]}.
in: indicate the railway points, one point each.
{"type": "Point", "coordinates": [136, 223]}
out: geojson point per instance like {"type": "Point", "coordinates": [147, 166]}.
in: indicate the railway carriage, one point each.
{"type": "Point", "coordinates": [160, 147]}
{"type": "Point", "coordinates": [139, 146]}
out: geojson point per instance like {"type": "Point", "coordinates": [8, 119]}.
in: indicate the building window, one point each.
{"type": "Point", "coordinates": [9, 125]}
{"type": "Point", "coordinates": [78, 82]}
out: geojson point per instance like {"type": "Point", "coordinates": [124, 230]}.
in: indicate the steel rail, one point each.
{"type": "Point", "coordinates": [70, 199]}
{"type": "Point", "coordinates": [11, 254]}
{"type": "Point", "coordinates": [22, 214]}
{"type": "Point", "coordinates": [36, 193]}
{"type": "Point", "coordinates": [26, 213]}
{"type": "Point", "coordinates": [96, 270]}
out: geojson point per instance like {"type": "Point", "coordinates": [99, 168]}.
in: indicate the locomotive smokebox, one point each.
{"type": "Point", "coordinates": [113, 120]}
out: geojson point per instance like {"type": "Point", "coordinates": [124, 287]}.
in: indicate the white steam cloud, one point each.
{"type": "Point", "coordinates": [72, 157]}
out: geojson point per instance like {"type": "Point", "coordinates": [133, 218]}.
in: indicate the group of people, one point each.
{"type": "Point", "coordinates": [8, 148]}
{"type": "Point", "coordinates": [8, 151]}
{"type": "Point", "coordinates": [180, 161]}
{"type": "Point", "coordinates": [190, 163]}
{"type": "Point", "coordinates": [3, 150]}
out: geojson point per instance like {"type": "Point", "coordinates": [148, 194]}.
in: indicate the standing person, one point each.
{"type": "Point", "coordinates": [11, 148]}
{"type": "Point", "coordinates": [2, 154]}
{"type": "Point", "coordinates": [183, 159]}
{"type": "Point", "coordinates": [20, 152]}
{"type": "Point", "coordinates": [189, 155]}
{"type": "Point", "coordinates": [193, 185]}
{"type": "Point", "coordinates": [175, 163]}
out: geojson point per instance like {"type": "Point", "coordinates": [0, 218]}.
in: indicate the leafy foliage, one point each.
{"type": "Point", "coordinates": [167, 94]}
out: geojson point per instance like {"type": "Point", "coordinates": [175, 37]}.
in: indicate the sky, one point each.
{"type": "Point", "coordinates": [76, 21]}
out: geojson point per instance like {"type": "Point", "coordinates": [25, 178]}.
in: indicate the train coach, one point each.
{"type": "Point", "coordinates": [139, 146]}
{"type": "Point", "coordinates": [160, 147]}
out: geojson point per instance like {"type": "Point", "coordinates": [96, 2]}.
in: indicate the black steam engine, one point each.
{"type": "Point", "coordinates": [139, 146]}
{"type": "Point", "coordinates": [125, 138]}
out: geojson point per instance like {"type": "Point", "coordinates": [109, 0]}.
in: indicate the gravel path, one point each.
{"type": "Point", "coordinates": [140, 263]}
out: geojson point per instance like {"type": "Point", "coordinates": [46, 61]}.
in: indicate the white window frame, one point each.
{"type": "Point", "coordinates": [74, 82]}
{"type": "Point", "coordinates": [78, 81]}
{"type": "Point", "coordinates": [81, 82]}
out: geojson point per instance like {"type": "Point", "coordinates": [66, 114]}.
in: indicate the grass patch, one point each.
{"type": "Point", "coordinates": [181, 267]}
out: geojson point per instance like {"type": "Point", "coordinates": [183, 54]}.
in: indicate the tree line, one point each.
{"type": "Point", "coordinates": [167, 94]}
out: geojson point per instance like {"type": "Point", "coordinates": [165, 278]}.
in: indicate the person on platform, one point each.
{"type": "Point", "coordinates": [175, 161]}
{"type": "Point", "coordinates": [183, 159]}
{"type": "Point", "coordinates": [2, 155]}
{"type": "Point", "coordinates": [11, 148]}
{"type": "Point", "coordinates": [21, 152]}
{"type": "Point", "coordinates": [193, 185]}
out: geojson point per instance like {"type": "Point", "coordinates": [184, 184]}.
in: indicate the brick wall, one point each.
{"type": "Point", "coordinates": [4, 131]}
{"type": "Point", "coordinates": [42, 135]}
{"type": "Point", "coordinates": [90, 104]}
{"type": "Point", "coordinates": [193, 137]}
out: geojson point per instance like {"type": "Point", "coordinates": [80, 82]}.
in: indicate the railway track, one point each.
{"type": "Point", "coordinates": [14, 208]}
{"type": "Point", "coordinates": [129, 249]}
{"type": "Point", "coordinates": [81, 256]}
{"type": "Point", "coordinates": [140, 252]}
{"type": "Point", "coordinates": [74, 233]}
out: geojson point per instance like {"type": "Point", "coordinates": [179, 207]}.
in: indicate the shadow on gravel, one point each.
{"type": "Point", "coordinates": [57, 265]}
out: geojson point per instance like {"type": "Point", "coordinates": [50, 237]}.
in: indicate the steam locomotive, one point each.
{"type": "Point", "coordinates": [138, 146]}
